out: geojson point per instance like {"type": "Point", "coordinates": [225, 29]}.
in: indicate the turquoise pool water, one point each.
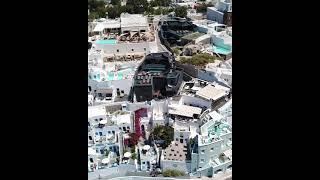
{"type": "Point", "coordinates": [110, 76]}
{"type": "Point", "coordinates": [120, 75]}
{"type": "Point", "coordinates": [109, 41]}
{"type": "Point", "coordinates": [220, 50]}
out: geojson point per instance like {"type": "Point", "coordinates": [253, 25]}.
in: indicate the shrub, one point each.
{"type": "Point", "coordinates": [173, 173]}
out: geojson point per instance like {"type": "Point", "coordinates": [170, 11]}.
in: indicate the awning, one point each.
{"type": "Point", "coordinates": [99, 28]}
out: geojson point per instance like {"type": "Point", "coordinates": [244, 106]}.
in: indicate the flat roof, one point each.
{"type": "Point", "coordinates": [184, 110]}
{"type": "Point", "coordinates": [176, 151]}
{"type": "Point", "coordinates": [107, 91]}
{"type": "Point", "coordinates": [215, 116]}
{"type": "Point", "coordinates": [96, 111]}
{"type": "Point", "coordinates": [214, 9]}
{"type": "Point", "coordinates": [123, 119]}
{"type": "Point", "coordinates": [210, 92]}
{"type": "Point", "coordinates": [133, 20]}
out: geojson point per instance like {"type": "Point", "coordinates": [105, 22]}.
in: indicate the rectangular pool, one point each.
{"type": "Point", "coordinates": [107, 41]}
{"type": "Point", "coordinates": [220, 50]}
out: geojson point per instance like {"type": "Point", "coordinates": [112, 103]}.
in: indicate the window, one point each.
{"type": "Point", "coordinates": [91, 160]}
{"type": "Point", "coordinates": [128, 127]}
{"type": "Point", "coordinates": [89, 124]}
{"type": "Point", "coordinates": [144, 49]}
{"type": "Point", "coordinates": [177, 140]}
{"type": "Point", "coordinates": [113, 132]}
{"type": "Point", "coordinates": [117, 50]}
{"type": "Point", "coordinates": [124, 129]}
{"type": "Point", "coordinates": [96, 120]}
{"type": "Point", "coordinates": [100, 119]}
{"type": "Point", "coordinates": [101, 151]}
{"type": "Point", "coordinates": [96, 133]}
{"type": "Point", "coordinates": [202, 151]}
{"type": "Point", "coordinates": [143, 163]}
{"type": "Point", "coordinates": [99, 94]}
{"type": "Point", "coordinates": [90, 138]}
{"type": "Point", "coordinates": [100, 133]}
{"type": "Point", "coordinates": [181, 140]}
{"type": "Point", "coordinates": [132, 49]}
{"type": "Point", "coordinates": [202, 160]}
{"type": "Point", "coordinates": [109, 132]}
{"type": "Point", "coordinates": [120, 128]}
{"type": "Point", "coordinates": [211, 149]}
{"type": "Point", "coordinates": [181, 135]}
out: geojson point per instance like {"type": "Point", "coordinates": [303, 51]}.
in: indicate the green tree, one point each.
{"type": "Point", "coordinates": [202, 8]}
{"type": "Point", "coordinates": [97, 9]}
{"type": "Point", "coordinates": [173, 173]}
{"type": "Point", "coordinates": [198, 59]}
{"type": "Point", "coordinates": [115, 2]}
{"type": "Point", "coordinates": [181, 11]}
{"type": "Point", "coordinates": [133, 150]}
{"type": "Point", "coordinates": [176, 51]}
{"type": "Point", "coordinates": [163, 133]}
{"type": "Point", "coordinates": [133, 156]}
{"type": "Point", "coordinates": [107, 152]}
{"type": "Point", "coordinates": [138, 6]}
{"type": "Point", "coordinates": [93, 15]}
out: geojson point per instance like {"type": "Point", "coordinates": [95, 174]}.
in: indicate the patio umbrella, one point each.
{"type": "Point", "coordinates": [127, 155]}
{"type": "Point", "coordinates": [103, 121]}
{"type": "Point", "coordinates": [105, 160]}
{"type": "Point", "coordinates": [146, 147]}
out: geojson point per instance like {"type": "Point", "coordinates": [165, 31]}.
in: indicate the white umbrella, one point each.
{"type": "Point", "coordinates": [127, 155]}
{"type": "Point", "coordinates": [103, 121]}
{"type": "Point", "coordinates": [105, 160]}
{"type": "Point", "coordinates": [146, 147]}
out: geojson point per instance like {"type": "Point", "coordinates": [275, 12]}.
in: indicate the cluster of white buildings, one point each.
{"type": "Point", "coordinates": [202, 120]}
{"type": "Point", "coordinates": [200, 114]}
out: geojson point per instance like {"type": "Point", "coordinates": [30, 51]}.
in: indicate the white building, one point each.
{"type": "Point", "coordinates": [212, 93]}
{"type": "Point", "coordinates": [217, 13]}
{"type": "Point", "coordinates": [96, 114]}
{"type": "Point", "coordinates": [214, 154]}
{"type": "Point", "coordinates": [124, 122]}
{"type": "Point", "coordinates": [148, 157]}
{"type": "Point", "coordinates": [133, 22]}
{"type": "Point", "coordinates": [175, 157]}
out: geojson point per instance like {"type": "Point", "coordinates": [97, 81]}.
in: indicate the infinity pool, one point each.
{"type": "Point", "coordinates": [107, 41]}
{"type": "Point", "coordinates": [220, 50]}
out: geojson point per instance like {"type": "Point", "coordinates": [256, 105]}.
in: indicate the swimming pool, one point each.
{"type": "Point", "coordinates": [107, 41]}
{"type": "Point", "coordinates": [110, 76]}
{"type": "Point", "coordinates": [220, 50]}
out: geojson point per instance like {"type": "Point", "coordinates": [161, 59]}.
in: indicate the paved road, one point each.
{"type": "Point", "coordinates": [161, 48]}
{"type": "Point", "coordinates": [147, 178]}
